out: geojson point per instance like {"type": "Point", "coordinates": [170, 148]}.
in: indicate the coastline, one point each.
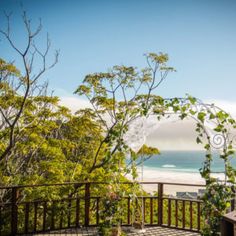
{"type": "Point", "coordinates": [172, 176]}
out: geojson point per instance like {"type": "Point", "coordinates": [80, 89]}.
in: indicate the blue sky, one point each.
{"type": "Point", "coordinates": [198, 35]}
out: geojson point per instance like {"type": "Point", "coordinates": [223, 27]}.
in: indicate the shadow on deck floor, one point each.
{"type": "Point", "coordinates": [150, 231]}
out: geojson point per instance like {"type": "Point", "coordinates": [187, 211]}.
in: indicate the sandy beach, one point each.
{"type": "Point", "coordinates": [168, 176]}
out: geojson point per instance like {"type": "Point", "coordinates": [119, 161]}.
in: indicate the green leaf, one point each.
{"type": "Point", "coordinates": [198, 140]}
{"type": "Point", "coordinates": [192, 100]}
{"type": "Point", "coordinates": [207, 146]}
{"type": "Point", "coordinates": [201, 116]}
{"type": "Point", "coordinates": [212, 116]}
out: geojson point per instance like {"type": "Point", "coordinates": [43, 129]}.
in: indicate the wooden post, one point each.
{"type": "Point", "coordinates": [14, 197]}
{"type": "Point", "coordinates": [160, 205]}
{"type": "Point", "coordinates": [228, 224]}
{"type": "Point", "coordinates": [87, 203]}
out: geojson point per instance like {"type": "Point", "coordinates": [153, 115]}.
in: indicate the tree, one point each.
{"type": "Point", "coordinates": [17, 87]}
{"type": "Point", "coordinates": [54, 145]}
{"type": "Point", "coordinates": [118, 98]}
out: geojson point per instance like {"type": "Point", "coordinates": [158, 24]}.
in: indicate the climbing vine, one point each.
{"type": "Point", "coordinates": [214, 130]}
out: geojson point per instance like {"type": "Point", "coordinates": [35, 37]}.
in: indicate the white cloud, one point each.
{"type": "Point", "coordinates": [181, 135]}
{"type": "Point", "coordinates": [74, 103]}
{"type": "Point", "coordinates": [228, 106]}
{"type": "Point", "coordinates": [175, 135]}
{"type": "Point", "coordinates": [170, 135]}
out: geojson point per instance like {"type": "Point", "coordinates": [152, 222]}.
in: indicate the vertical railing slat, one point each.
{"type": "Point", "coordinates": [52, 216]}
{"type": "Point", "coordinates": [183, 214]}
{"type": "Point", "coordinates": [176, 213]}
{"type": "Point", "coordinates": [27, 217]}
{"type": "Point", "coordinates": [77, 217]}
{"type": "Point", "coordinates": [160, 205]}
{"type": "Point", "coordinates": [1, 209]}
{"type": "Point", "coordinates": [87, 203]}
{"type": "Point", "coordinates": [97, 211]}
{"type": "Point", "coordinates": [144, 210]}
{"type": "Point", "coordinates": [128, 211]}
{"type": "Point", "coordinates": [232, 204]}
{"type": "Point", "coordinates": [191, 214]}
{"type": "Point", "coordinates": [151, 211]}
{"type": "Point", "coordinates": [198, 216]}
{"type": "Point", "coordinates": [61, 214]}
{"type": "Point", "coordinates": [35, 215]}
{"type": "Point", "coordinates": [169, 212]}
{"type": "Point", "coordinates": [135, 210]}
{"type": "Point", "coordinates": [44, 215]}
{"type": "Point", "coordinates": [14, 217]}
{"type": "Point", "coordinates": [69, 213]}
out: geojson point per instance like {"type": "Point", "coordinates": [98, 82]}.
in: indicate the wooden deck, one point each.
{"type": "Point", "coordinates": [150, 231]}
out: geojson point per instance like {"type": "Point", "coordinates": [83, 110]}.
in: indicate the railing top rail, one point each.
{"type": "Point", "coordinates": [83, 183]}
{"type": "Point", "coordinates": [182, 199]}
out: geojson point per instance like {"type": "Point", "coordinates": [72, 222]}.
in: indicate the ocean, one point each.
{"type": "Point", "coordinates": [178, 167]}
{"type": "Point", "coordinates": [184, 161]}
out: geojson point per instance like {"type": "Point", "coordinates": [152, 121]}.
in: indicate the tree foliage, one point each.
{"type": "Point", "coordinates": [17, 86]}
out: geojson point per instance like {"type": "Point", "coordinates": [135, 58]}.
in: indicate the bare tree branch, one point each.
{"type": "Point", "coordinates": [27, 81]}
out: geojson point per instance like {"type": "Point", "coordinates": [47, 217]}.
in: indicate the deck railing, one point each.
{"type": "Point", "coordinates": [42, 208]}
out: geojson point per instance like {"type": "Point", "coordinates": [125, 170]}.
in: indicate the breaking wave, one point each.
{"type": "Point", "coordinates": [168, 166]}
